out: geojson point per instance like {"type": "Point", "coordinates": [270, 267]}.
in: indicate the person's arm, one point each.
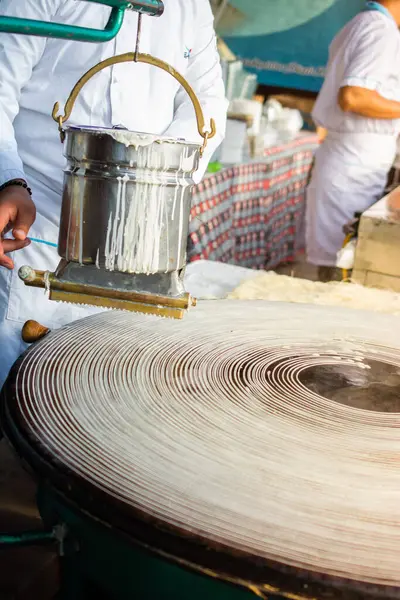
{"type": "Point", "coordinates": [368, 103]}
{"type": "Point", "coordinates": [204, 74]}
{"type": "Point", "coordinates": [18, 56]}
{"type": "Point", "coordinates": [368, 72]}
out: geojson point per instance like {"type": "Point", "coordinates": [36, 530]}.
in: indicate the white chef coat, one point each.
{"type": "Point", "coordinates": [352, 164]}
{"type": "Point", "coordinates": [36, 72]}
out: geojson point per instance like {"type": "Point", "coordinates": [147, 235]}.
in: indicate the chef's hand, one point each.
{"type": "Point", "coordinates": [17, 214]}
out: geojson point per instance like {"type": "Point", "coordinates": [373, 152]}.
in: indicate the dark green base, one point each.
{"type": "Point", "coordinates": [96, 557]}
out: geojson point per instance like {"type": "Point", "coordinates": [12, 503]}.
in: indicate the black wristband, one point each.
{"type": "Point", "coordinates": [12, 182]}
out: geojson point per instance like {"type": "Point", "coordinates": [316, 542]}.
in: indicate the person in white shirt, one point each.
{"type": "Point", "coordinates": [359, 106]}
{"type": "Point", "coordinates": [35, 73]}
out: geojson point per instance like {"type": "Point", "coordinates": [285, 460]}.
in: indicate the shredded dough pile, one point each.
{"type": "Point", "coordinates": [281, 288]}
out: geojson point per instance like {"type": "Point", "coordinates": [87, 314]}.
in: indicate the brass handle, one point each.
{"type": "Point", "coordinates": [143, 58]}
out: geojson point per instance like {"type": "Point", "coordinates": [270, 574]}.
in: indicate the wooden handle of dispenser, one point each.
{"type": "Point", "coordinates": [141, 58]}
{"type": "Point", "coordinates": [33, 331]}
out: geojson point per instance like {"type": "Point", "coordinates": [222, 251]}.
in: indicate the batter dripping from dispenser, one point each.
{"type": "Point", "coordinates": [137, 189]}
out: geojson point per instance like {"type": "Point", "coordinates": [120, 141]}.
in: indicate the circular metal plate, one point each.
{"type": "Point", "coordinates": [268, 433]}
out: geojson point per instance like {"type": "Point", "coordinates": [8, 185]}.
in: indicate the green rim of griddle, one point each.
{"type": "Point", "coordinates": [180, 547]}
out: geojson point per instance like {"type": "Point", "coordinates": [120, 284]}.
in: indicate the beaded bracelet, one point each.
{"type": "Point", "coordinates": [16, 182]}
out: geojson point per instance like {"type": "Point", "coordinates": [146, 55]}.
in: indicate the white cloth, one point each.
{"type": "Point", "coordinates": [212, 280]}
{"type": "Point", "coordinates": [352, 164]}
{"type": "Point", "coordinates": [37, 72]}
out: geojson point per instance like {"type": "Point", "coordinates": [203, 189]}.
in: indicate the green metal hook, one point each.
{"type": "Point", "coordinates": [153, 8]}
{"type": "Point", "coordinates": [34, 538]}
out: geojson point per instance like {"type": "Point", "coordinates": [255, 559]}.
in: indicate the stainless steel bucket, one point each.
{"type": "Point", "coordinates": [125, 211]}
{"type": "Point", "coordinates": [126, 200]}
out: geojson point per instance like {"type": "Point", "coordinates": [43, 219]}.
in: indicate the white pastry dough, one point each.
{"type": "Point", "coordinates": [281, 288]}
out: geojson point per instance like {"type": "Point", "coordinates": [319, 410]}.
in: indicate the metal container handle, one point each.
{"type": "Point", "coordinates": [143, 58]}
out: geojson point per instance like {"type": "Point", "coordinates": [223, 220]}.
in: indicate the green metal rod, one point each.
{"type": "Point", "coordinates": [65, 32]}
{"type": "Point", "coordinates": [29, 538]}
{"type": "Point", "coordinates": [82, 34]}
{"type": "Point", "coordinates": [153, 8]}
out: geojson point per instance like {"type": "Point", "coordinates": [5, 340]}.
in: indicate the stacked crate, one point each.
{"type": "Point", "coordinates": [377, 260]}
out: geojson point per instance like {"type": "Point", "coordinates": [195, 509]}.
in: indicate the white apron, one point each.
{"type": "Point", "coordinates": [19, 303]}
{"type": "Point", "coordinates": [349, 175]}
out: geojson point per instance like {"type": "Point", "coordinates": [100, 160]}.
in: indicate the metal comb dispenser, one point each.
{"type": "Point", "coordinates": [125, 212]}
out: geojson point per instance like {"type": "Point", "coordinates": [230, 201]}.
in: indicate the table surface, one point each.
{"type": "Point", "coordinates": [252, 214]}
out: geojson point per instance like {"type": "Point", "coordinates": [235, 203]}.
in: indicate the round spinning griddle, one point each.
{"type": "Point", "coordinates": [268, 433]}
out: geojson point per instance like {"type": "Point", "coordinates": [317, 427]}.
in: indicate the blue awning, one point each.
{"type": "Point", "coordinates": [286, 41]}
